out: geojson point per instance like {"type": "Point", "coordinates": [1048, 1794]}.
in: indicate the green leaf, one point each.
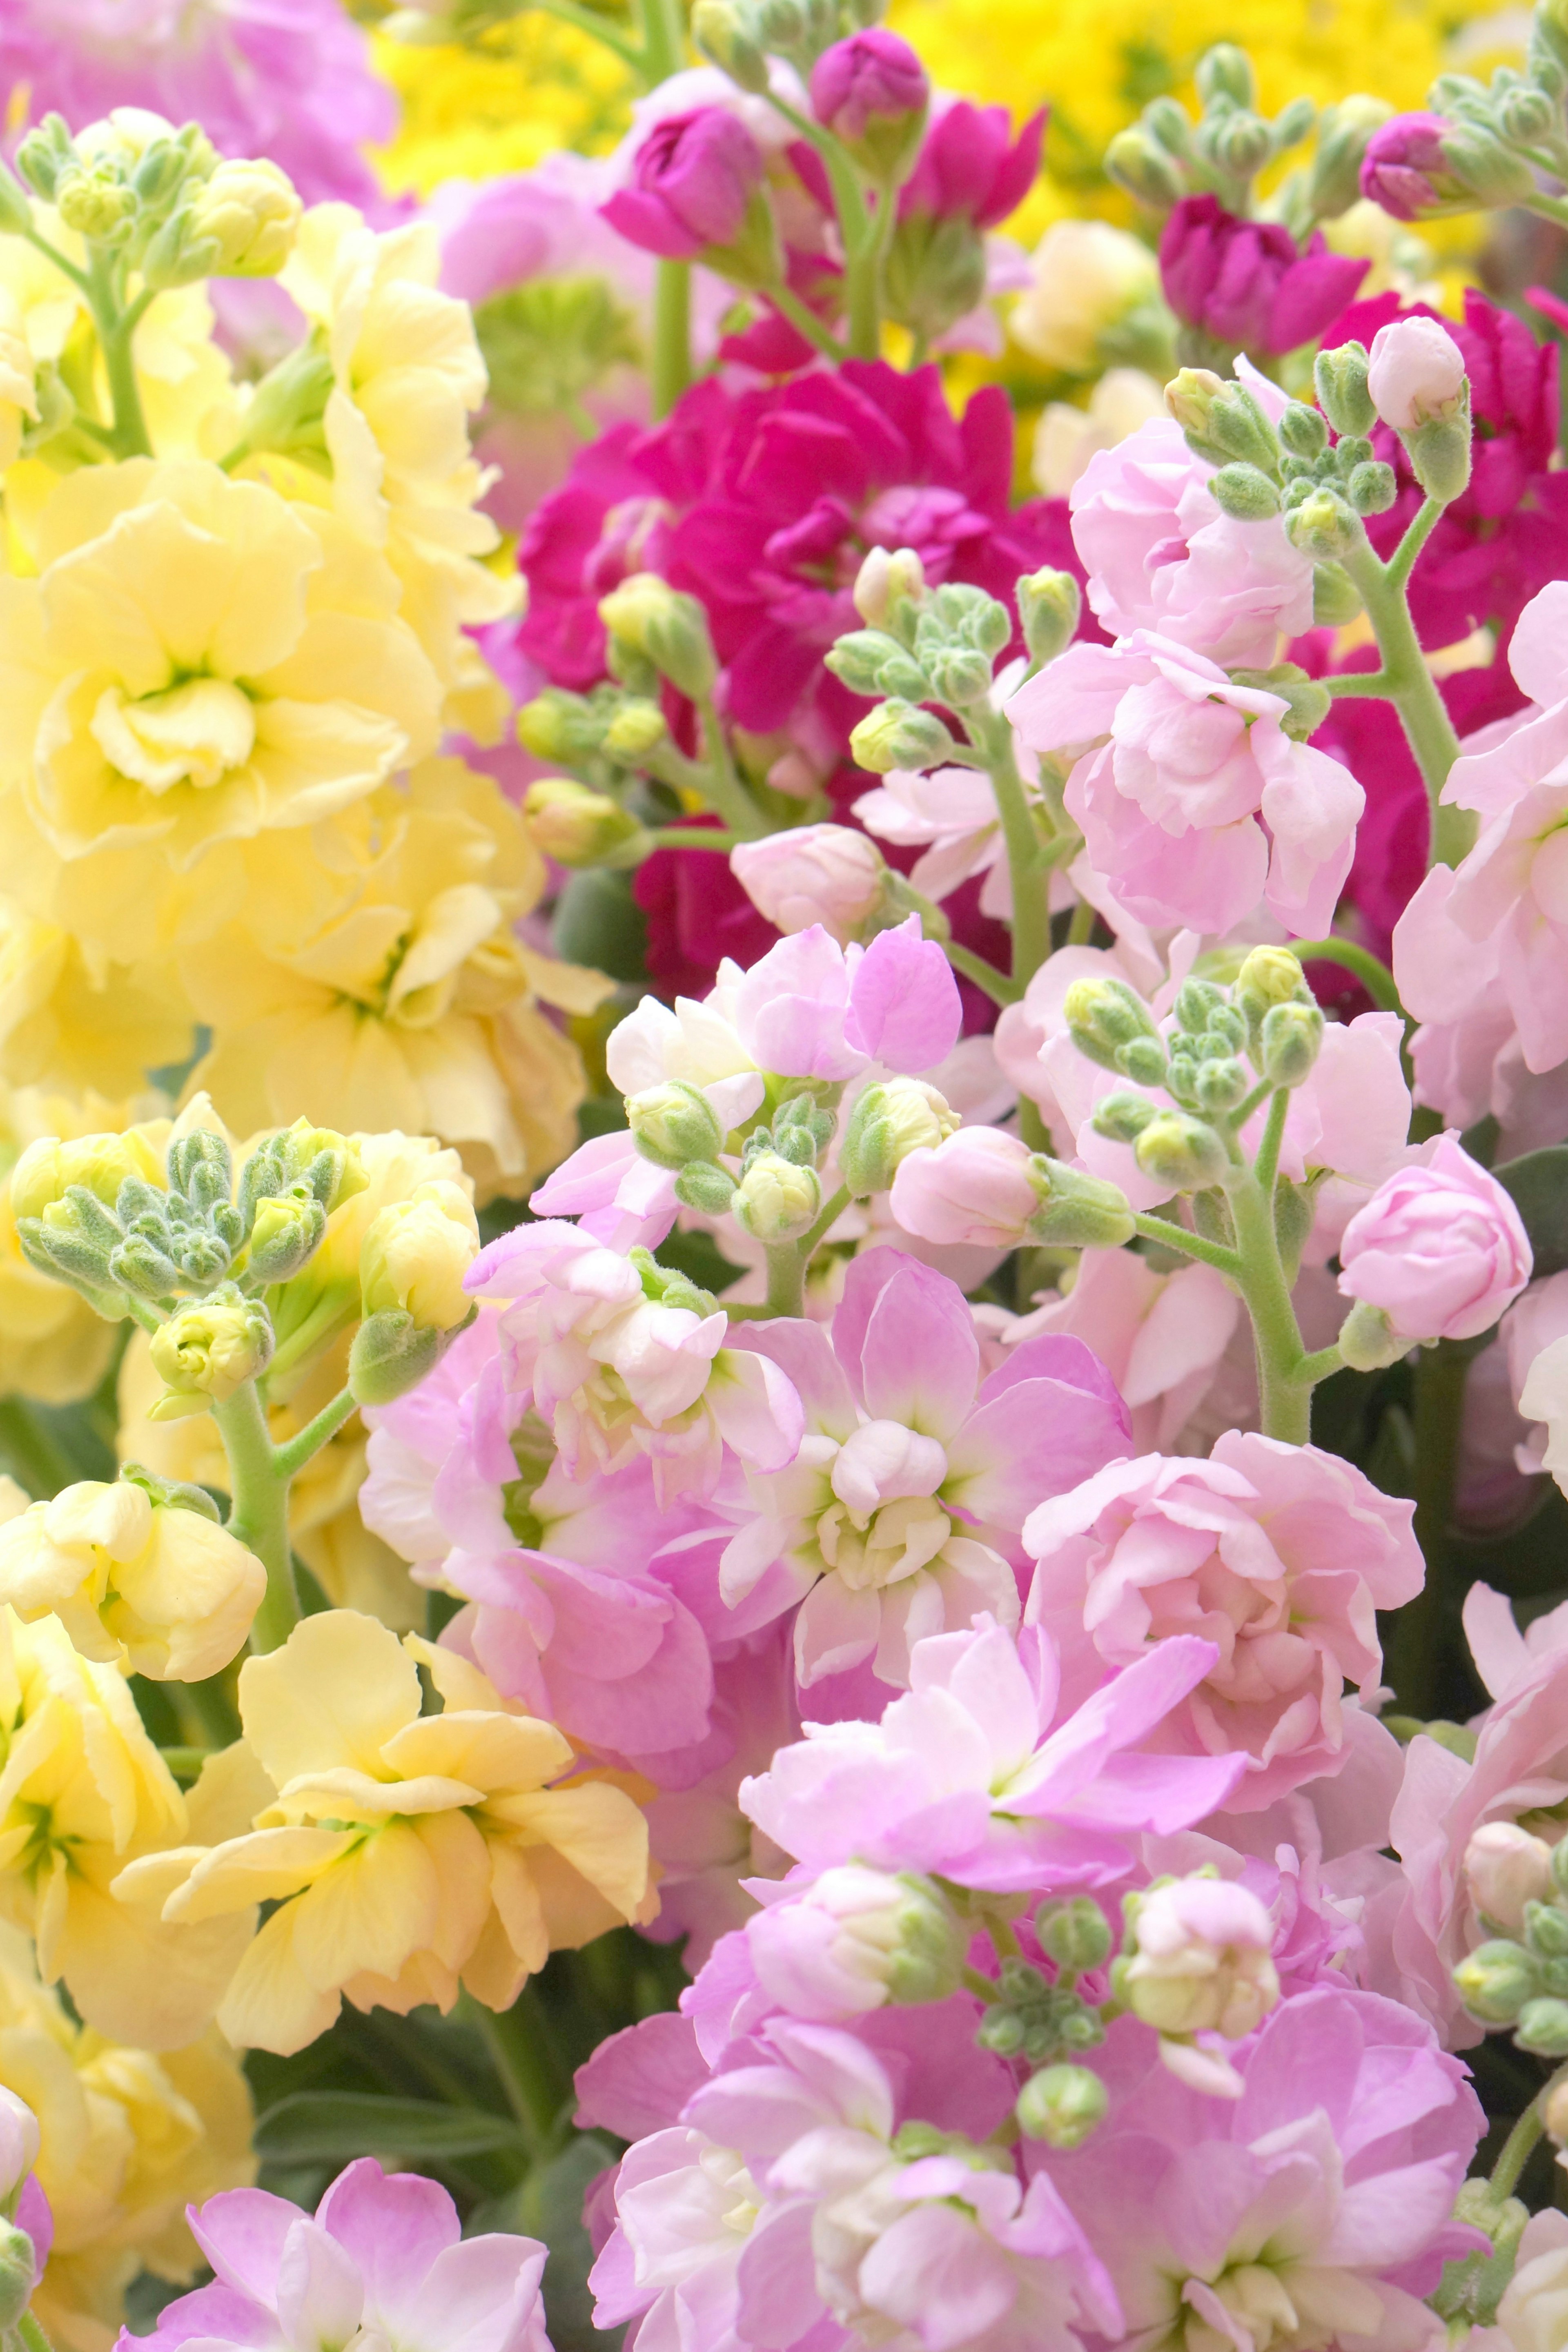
{"type": "Point", "coordinates": [342, 2124]}
{"type": "Point", "coordinates": [1538, 1186]}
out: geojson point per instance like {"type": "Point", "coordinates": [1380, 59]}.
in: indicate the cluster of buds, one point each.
{"type": "Point", "coordinates": [1479, 146]}
{"type": "Point", "coordinates": [776, 1196]}
{"type": "Point", "coordinates": [1225, 1051]}
{"type": "Point", "coordinates": [160, 200]}
{"type": "Point", "coordinates": [740, 34]}
{"type": "Point", "coordinates": [1166, 155]}
{"type": "Point", "coordinates": [859, 1939]}
{"type": "Point", "coordinates": [1518, 1886]}
{"type": "Point", "coordinates": [1048, 2023]}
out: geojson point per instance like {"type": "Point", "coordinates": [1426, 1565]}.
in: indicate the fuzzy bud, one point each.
{"type": "Point", "coordinates": [1122, 1118]}
{"type": "Point", "coordinates": [1244, 493]}
{"type": "Point", "coordinates": [576, 826]}
{"type": "Point", "coordinates": [1290, 1043]}
{"type": "Point", "coordinates": [1497, 1980]}
{"type": "Point", "coordinates": [1074, 1932]}
{"type": "Point", "coordinates": [1049, 604]}
{"type": "Point", "coordinates": [1544, 2028]}
{"type": "Point", "coordinates": [637, 729]}
{"type": "Point", "coordinates": [1202, 1962]}
{"type": "Point", "coordinates": [249, 213]}
{"type": "Point", "coordinates": [19, 2274]}
{"type": "Point", "coordinates": [1341, 381]}
{"type": "Point", "coordinates": [887, 1123]}
{"type": "Point", "coordinates": [1324, 526]}
{"type": "Point", "coordinates": [703, 1185]}
{"type": "Point", "coordinates": [665, 627]}
{"type": "Point", "coordinates": [1062, 2105]}
{"type": "Point", "coordinates": [208, 1349]}
{"type": "Point", "coordinates": [415, 1254]}
{"type": "Point", "coordinates": [776, 1200]}
{"type": "Point", "coordinates": [827, 874]}
{"type": "Point", "coordinates": [391, 1354]}
{"type": "Point", "coordinates": [856, 1940]}
{"type": "Point", "coordinates": [1184, 1152]}
{"type": "Point", "coordinates": [1140, 164]}
{"type": "Point", "coordinates": [285, 1231]}
{"type": "Point", "coordinates": [98, 1162]}
{"type": "Point", "coordinates": [1368, 1341]}
{"type": "Point", "coordinates": [1269, 976]}
{"type": "Point", "coordinates": [673, 1123]}
{"type": "Point", "coordinates": [1222, 420]}
{"type": "Point", "coordinates": [1077, 1211]}
{"type": "Point", "coordinates": [1106, 1020]}
{"type": "Point", "coordinates": [719, 33]}
{"type": "Point", "coordinates": [898, 734]}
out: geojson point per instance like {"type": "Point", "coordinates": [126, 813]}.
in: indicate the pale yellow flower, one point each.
{"type": "Point", "coordinates": [127, 2139]}
{"type": "Point", "coordinates": [416, 1255]}
{"type": "Point", "coordinates": [18, 389]}
{"type": "Point", "coordinates": [195, 663]}
{"type": "Point", "coordinates": [413, 1006]}
{"type": "Point", "coordinates": [407, 1855]}
{"type": "Point", "coordinates": [157, 1590]}
{"type": "Point", "coordinates": [71, 1019]}
{"type": "Point", "coordinates": [83, 1791]}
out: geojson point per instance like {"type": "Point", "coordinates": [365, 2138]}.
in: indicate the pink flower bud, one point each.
{"type": "Point", "coordinates": [1441, 1247]}
{"type": "Point", "coordinates": [1505, 1868]}
{"type": "Point", "coordinates": [693, 179]}
{"type": "Point", "coordinates": [976, 1187]}
{"type": "Point", "coordinates": [872, 79]}
{"type": "Point", "coordinates": [972, 168]}
{"type": "Point", "coordinates": [1417, 374]}
{"type": "Point", "coordinates": [825, 874]}
{"type": "Point", "coordinates": [1245, 282]}
{"type": "Point", "coordinates": [1405, 171]}
{"type": "Point", "coordinates": [1202, 1963]}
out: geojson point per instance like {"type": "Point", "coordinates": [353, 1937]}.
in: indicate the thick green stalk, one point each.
{"type": "Point", "coordinates": [259, 1516]}
{"type": "Point", "coordinates": [786, 1278]}
{"type": "Point", "coordinates": [722, 785]}
{"type": "Point", "coordinates": [996, 984]}
{"type": "Point", "coordinates": [116, 328]}
{"type": "Point", "coordinates": [832, 1211]}
{"type": "Point", "coordinates": [993, 736]}
{"type": "Point", "coordinates": [1287, 1404]}
{"type": "Point", "coordinates": [290, 1458]}
{"type": "Point", "coordinates": [589, 21]}
{"type": "Point", "coordinates": [671, 360]}
{"type": "Point", "coordinates": [693, 836]}
{"type": "Point", "coordinates": [663, 40]}
{"type": "Point", "coordinates": [1410, 686]}
{"type": "Point", "coordinates": [520, 2046]}
{"type": "Point", "coordinates": [1350, 956]}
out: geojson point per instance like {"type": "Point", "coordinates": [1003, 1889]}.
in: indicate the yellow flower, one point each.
{"type": "Point", "coordinates": [195, 663]}
{"type": "Point", "coordinates": [83, 1791]}
{"type": "Point", "coordinates": [18, 389]}
{"type": "Point", "coordinates": [413, 1006]}
{"type": "Point", "coordinates": [70, 1019]}
{"type": "Point", "coordinates": [416, 1255]}
{"type": "Point", "coordinates": [354, 1569]}
{"type": "Point", "coordinates": [126, 2140]}
{"type": "Point", "coordinates": [406, 1853]}
{"type": "Point", "coordinates": [158, 1589]}
{"type": "Point", "coordinates": [251, 213]}
{"type": "Point", "coordinates": [534, 87]}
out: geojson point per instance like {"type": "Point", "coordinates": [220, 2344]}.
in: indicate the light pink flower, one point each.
{"type": "Point", "coordinates": [1536, 1323]}
{"type": "Point", "coordinates": [1161, 555]}
{"type": "Point", "coordinates": [1161, 1336]}
{"type": "Point", "coordinates": [1174, 806]}
{"type": "Point", "coordinates": [1441, 1247]}
{"type": "Point", "coordinates": [972, 1776]}
{"type": "Point", "coordinates": [914, 1477]}
{"type": "Point", "coordinates": [825, 874]}
{"type": "Point", "coordinates": [1280, 1555]}
{"type": "Point", "coordinates": [384, 2254]}
{"type": "Point", "coordinates": [975, 1187]}
{"type": "Point", "coordinates": [952, 814]}
{"type": "Point", "coordinates": [1416, 373]}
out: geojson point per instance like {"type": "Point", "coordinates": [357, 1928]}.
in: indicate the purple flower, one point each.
{"type": "Point", "coordinates": [1405, 171]}
{"type": "Point", "coordinates": [1244, 283]}
{"type": "Point", "coordinates": [871, 77]}
{"type": "Point", "coordinates": [971, 167]}
{"type": "Point", "coordinates": [289, 79]}
{"type": "Point", "coordinates": [693, 179]}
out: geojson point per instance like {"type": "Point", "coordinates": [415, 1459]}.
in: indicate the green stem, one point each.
{"type": "Point", "coordinates": [1516, 2148]}
{"type": "Point", "coordinates": [1266, 1166]}
{"type": "Point", "coordinates": [519, 2042]}
{"type": "Point", "coordinates": [993, 736]}
{"type": "Point", "coordinates": [721, 781]}
{"type": "Point", "coordinates": [1320, 1365]}
{"type": "Point", "coordinates": [116, 327]}
{"type": "Point", "coordinates": [1171, 1235]}
{"type": "Point", "coordinates": [1080, 924]}
{"type": "Point", "coordinates": [829, 1217]}
{"type": "Point", "coordinates": [693, 836]}
{"type": "Point", "coordinates": [663, 40]}
{"type": "Point", "coordinates": [290, 1458]}
{"type": "Point", "coordinates": [671, 360]}
{"type": "Point", "coordinates": [32, 2333]}
{"type": "Point", "coordinates": [1357, 681]}
{"type": "Point", "coordinates": [1032, 1127]}
{"type": "Point", "coordinates": [858, 228]}
{"type": "Point", "coordinates": [1285, 1400]}
{"type": "Point", "coordinates": [996, 984]}
{"type": "Point", "coordinates": [786, 1278]}
{"type": "Point", "coordinates": [598, 28]}
{"type": "Point", "coordinates": [984, 1987]}
{"type": "Point", "coordinates": [803, 318]}
{"type": "Point", "coordinates": [1411, 687]}
{"type": "Point", "coordinates": [1371, 970]}
{"type": "Point", "coordinates": [260, 1515]}
{"type": "Point", "coordinates": [185, 1763]}
{"type": "Point", "coordinates": [1414, 1654]}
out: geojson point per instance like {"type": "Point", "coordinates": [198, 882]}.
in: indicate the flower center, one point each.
{"type": "Point", "coordinates": [871, 1548]}
{"type": "Point", "coordinates": [191, 734]}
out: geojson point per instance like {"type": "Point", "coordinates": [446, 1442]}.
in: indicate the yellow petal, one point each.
{"type": "Point", "coordinates": [271, 2005]}
{"type": "Point", "coordinates": [370, 1912]}
{"type": "Point", "coordinates": [336, 1692]}
{"type": "Point", "coordinates": [493, 1751]}
{"type": "Point", "coordinates": [259, 1868]}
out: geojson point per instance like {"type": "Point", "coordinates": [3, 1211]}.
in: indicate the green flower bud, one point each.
{"type": "Point", "coordinates": [1268, 976]}
{"type": "Point", "coordinates": [1049, 604]}
{"type": "Point", "coordinates": [286, 412]}
{"type": "Point", "coordinates": [1062, 2105]}
{"type": "Point", "coordinates": [1302, 431]}
{"type": "Point", "coordinates": [1492, 174]}
{"type": "Point", "coordinates": [1123, 1118]}
{"type": "Point", "coordinates": [1104, 1018]}
{"type": "Point", "coordinates": [719, 33]}
{"type": "Point", "coordinates": [1333, 181]}
{"type": "Point", "coordinates": [637, 728]}
{"type": "Point", "coordinates": [702, 1184]}
{"type": "Point", "coordinates": [1371, 488]}
{"type": "Point", "coordinates": [1440, 453]}
{"type": "Point", "coordinates": [1336, 599]}
{"type": "Point", "coordinates": [1001, 2031]}
{"type": "Point", "coordinates": [208, 1351]}
{"type": "Point", "coordinates": [898, 734]}
{"type": "Point", "coordinates": [1546, 1930]}
{"type": "Point", "coordinates": [1241, 144]}
{"type": "Point", "coordinates": [98, 205]}
{"type": "Point", "coordinates": [1324, 526]}
{"type": "Point", "coordinates": [803, 1129]}
{"type": "Point", "coordinates": [1137, 163]}
{"type": "Point", "coordinates": [776, 1200]}
{"type": "Point", "coordinates": [1224, 74]}
{"type": "Point", "coordinates": [1244, 493]}
{"type": "Point", "coordinates": [1560, 1865]}
{"type": "Point", "coordinates": [1291, 1037]}
{"type": "Point", "coordinates": [1339, 378]}
{"type": "Point", "coordinates": [1497, 1980]}
{"type": "Point", "coordinates": [390, 1355]}
{"type": "Point", "coordinates": [45, 154]}
{"type": "Point", "coordinates": [560, 726]}
{"type": "Point", "coordinates": [1077, 1211]}
{"type": "Point", "coordinates": [575, 826]}
{"type": "Point", "coordinates": [285, 1231]}
{"type": "Point", "coordinates": [1074, 1932]}
{"type": "Point", "coordinates": [665, 627]}
{"type": "Point", "coordinates": [99, 1163]}
{"type": "Point", "coordinates": [1182, 1151]}
{"type": "Point", "coordinates": [1368, 1341]}
{"type": "Point", "coordinates": [1544, 2028]}
{"type": "Point", "coordinates": [887, 1123]}
{"type": "Point", "coordinates": [18, 2275]}
{"type": "Point", "coordinates": [1222, 420]}
{"type": "Point", "coordinates": [959, 676]}
{"type": "Point", "coordinates": [673, 1123]}
{"type": "Point", "coordinates": [1218, 1085]}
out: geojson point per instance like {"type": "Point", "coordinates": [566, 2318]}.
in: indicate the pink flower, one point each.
{"type": "Point", "coordinates": [975, 1187]}
{"type": "Point", "coordinates": [972, 1775]}
{"type": "Point", "coordinates": [1244, 283]}
{"type": "Point", "coordinates": [825, 874]}
{"type": "Point", "coordinates": [971, 167]}
{"type": "Point", "coordinates": [1279, 1554]}
{"type": "Point", "coordinates": [1161, 1336]}
{"type": "Point", "coordinates": [1441, 1247]}
{"type": "Point", "coordinates": [871, 74]}
{"type": "Point", "coordinates": [1416, 373]}
{"type": "Point", "coordinates": [1313, 2208]}
{"type": "Point", "coordinates": [384, 2254]}
{"type": "Point", "coordinates": [1162, 556]}
{"type": "Point", "coordinates": [914, 1474]}
{"type": "Point", "coordinates": [954, 811]}
{"type": "Point", "coordinates": [1171, 805]}
{"type": "Point", "coordinates": [1404, 169]}
{"type": "Point", "coordinates": [693, 179]}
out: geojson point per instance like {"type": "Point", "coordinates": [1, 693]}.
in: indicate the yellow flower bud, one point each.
{"type": "Point", "coordinates": [668, 628]}
{"type": "Point", "coordinates": [775, 1200]}
{"type": "Point", "coordinates": [209, 1349]}
{"type": "Point", "coordinates": [101, 1162]}
{"type": "Point", "coordinates": [416, 1254]}
{"type": "Point", "coordinates": [251, 212]}
{"type": "Point", "coordinates": [579, 827]}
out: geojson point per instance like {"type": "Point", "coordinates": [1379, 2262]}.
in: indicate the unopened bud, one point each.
{"type": "Point", "coordinates": [1324, 527]}
{"type": "Point", "coordinates": [415, 1254]}
{"type": "Point", "coordinates": [1244, 493]}
{"type": "Point", "coordinates": [1368, 1341]}
{"type": "Point", "coordinates": [1497, 1980]}
{"type": "Point", "coordinates": [1074, 1932]}
{"type": "Point", "coordinates": [97, 204]}
{"type": "Point", "coordinates": [1554, 2114]}
{"type": "Point", "coordinates": [285, 1231]}
{"type": "Point", "coordinates": [673, 1123]}
{"type": "Point", "coordinates": [703, 1185]}
{"type": "Point", "coordinates": [1122, 1118]}
{"type": "Point", "coordinates": [1138, 164]}
{"type": "Point", "coordinates": [1334, 180]}
{"type": "Point", "coordinates": [1225, 72]}
{"type": "Point", "coordinates": [1062, 2105]}
{"type": "Point", "coordinates": [391, 1354]}
{"type": "Point", "coordinates": [898, 734]}
{"type": "Point", "coordinates": [18, 2275]}
{"type": "Point", "coordinates": [1302, 431]}
{"type": "Point", "coordinates": [959, 675]}
{"type": "Point", "coordinates": [666, 627]}
{"type": "Point", "coordinates": [1544, 2028]}
{"type": "Point", "coordinates": [637, 728]}
{"type": "Point", "coordinates": [1077, 1211]}
{"type": "Point", "coordinates": [776, 1200]}
{"type": "Point", "coordinates": [887, 1123]}
{"type": "Point", "coordinates": [560, 726]}
{"type": "Point", "coordinates": [1291, 1036]}
{"type": "Point", "coordinates": [1339, 378]}
{"type": "Point", "coordinates": [1049, 604]}
{"type": "Point", "coordinates": [1336, 599]}
{"type": "Point", "coordinates": [576, 826]}
{"type": "Point", "coordinates": [1105, 1018]}
{"type": "Point", "coordinates": [1440, 455]}
{"type": "Point", "coordinates": [249, 213]}
{"type": "Point", "coordinates": [1373, 488]}
{"type": "Point", "coordinates": [719, 32]}
{"type": "Point", "coordinates": [1546, 1930]}
{"type": "Point", "coordinates": [1222, 420]}
{"type": "Point", "coordinates": [1182, 1151]}
{"type": "Point", "coordinates": [208, 1349]}
{"type": "Point", "coordinates": [1216, 1086]}
{"type": "Point", "coordinates": [1269, 976]}
{"type": "Point", "coordinates": [1202, 1961]}
{"type": "Point", "coordinates": [884, 582]}
{"type": "Point", "coordinates": [98, 1162]}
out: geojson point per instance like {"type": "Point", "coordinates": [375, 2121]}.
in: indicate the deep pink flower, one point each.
{"type": "Point", "coordinates": [1405, 171]}
{"type": "Point", "coordinates": [1245, 283]}
{"type": "Point", "coordinates": [971, 167]}
{"type": "Point", "coordinates": [289, 79]}
{"type": "Point", "coordinates": [871, 76]}
{"type": "Point", "coordinates": [693, 177]}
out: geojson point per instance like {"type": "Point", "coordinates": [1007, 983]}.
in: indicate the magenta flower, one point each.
{"type": "Point", "coordinates": [873, 77]}
{"type": "Point", "coordinates": [693, 178]}
{"type": "Point", "coordinates": [1245, 283]}
{"type": "Point", "coordinates": [971, 167]}
{"type": "Point", "coordinates": [972, 1775]}
{"type": "Point", "coordinates": [289, 79]}
{"type": "Point", "coordinates": [1405, 171]}
{"type": "Point", "coordinates": [1279, 1554]}
{"type": "Point", "coordinates": [384, 2254]}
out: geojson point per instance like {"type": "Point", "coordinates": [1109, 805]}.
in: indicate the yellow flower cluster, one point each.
{"type": "Point", "coordinates": [536, 86]}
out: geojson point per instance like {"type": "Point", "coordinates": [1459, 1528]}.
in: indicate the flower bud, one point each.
{"type": "Point", "coordinates": [1334, 177]}
{"type": "Point", "coordinates": [827, 874]}
{"type": "Point", "coordinates": [1062, 2105]}
{"type": "Point", "coordinates": [1339, 378]}
{"type": "Point", "coordinates": [1244, 493]}
{"type": "Point", "coordinates": [1544, 2028]}
{"type": "Point", "coordinates": [1505, 1868]}
{"type": "Point", "coordinates": [856, 1940]}
{"type": "Point", "coordinates": [1269, 977]}
{"type": "Point", "coordinates": [959, 675]}
{"type": "Point", "coordinates": [776, 1200]}
{"type": "Point", "coordinates": [1336, 599]}
{"type": "Point", "coordinates": [637, 728]}
{"type": "Point", "coordinates": [898, 734]}
{"type": "Point", "coordinates": [210, 1348]}
{"type": "Point", "coordinates": [1202, 1962]}
{"type": "Point", "coordinates": [1049, 604]}
{"type": "Point", "coordinates": [1496, 1980]}
{"type": "Point", "coordinates": [1288, 1047]}
{"type": "Point", "coordinates": [1074, 1932]}
{"type": "Point", "coordinates": [1324, 526]}
{"type": "Point", "coordinates": [1216, 1086]}
{"type": "Point", "coordinates": [1416, 373]}
{"type": "Point", "coordinates": [99, 1163]}
{"type": "Point", "coordinates": [560, 726]}
{"type": "Point", "coordinates": [1368, 1341]}
{"type": "Point", "coordinates": [673, 1123]}
{"type": "Point", "coordinates": [576, 826]}
{"type": "Point", "coordinates": [887, 1123]}
{"type": "Point", "coordinates": [250, 213]}
{"type": "Point", "coordinates": [1122, 1118]}
{"type": "Point", "coordinates": [285, 1231]}
{"type": "Point", "coordinates": [703, 1185]}
{"type": "Point", "coordinates": [1222, 420]}
{"type": "Point", "coordinates": [887, 580]}
{"type": "Point", "coordinates": [1184, 1152]}
{"type": "Point", "coordinates": [1546, 1933]}
{"type": "Point", "coordinates": [1303, 432]}
{"type": "Point", "coordinates": [666, 627]}
{"type": "Point", "coordinates": [1137, 163]}
{"type": "Point", "coordinates": [1554, 2114]}
{"type": "Point", "coordinates": [390, 1355]}
{"type": "Point", "coordinates": [19, 2274]}
{"type": "Point", "coordinates": [870, 91]}
{"type": "Point", "coordinates": [1077, 1211]}
{"type": "Point", "coordinates": [1104, 1018]}
{"type": "Point", "coordinates": [719, 33]}
{"type": "Point", "coordinates": [416, 1254]}
{"type": "Point", "coordinates": [98, 205]}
